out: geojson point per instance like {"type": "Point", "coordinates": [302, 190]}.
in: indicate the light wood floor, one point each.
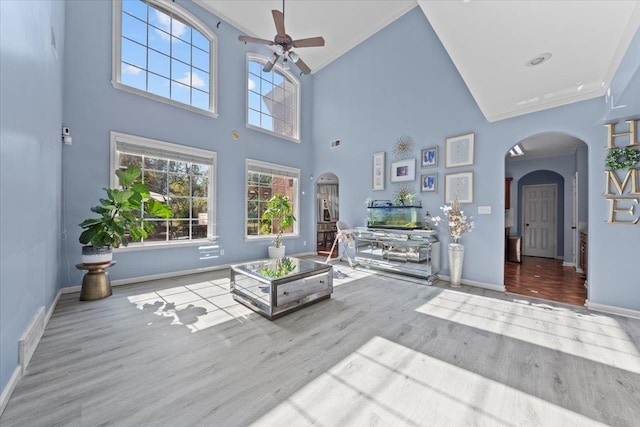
{"type": "Point", "coordinates": [381, 351]}
{"type": "Point", "coordinates": [545, 278]}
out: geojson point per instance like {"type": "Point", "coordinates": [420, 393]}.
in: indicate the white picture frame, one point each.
{"type": "Point", "coordinates": [403, 170]}
{"type": "Point", "coordinates": [378, 171]}
{"type": "Point", "coordinates": [459, 151]}
{"type": "Point", "coordinates": [460, 186]}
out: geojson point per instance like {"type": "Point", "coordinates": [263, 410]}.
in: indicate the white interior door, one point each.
{"type": "Point", "coordinates": [539, 220]}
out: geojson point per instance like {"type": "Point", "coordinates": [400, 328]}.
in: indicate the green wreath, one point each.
{"type": "Point", "coordinates": [628, 155]}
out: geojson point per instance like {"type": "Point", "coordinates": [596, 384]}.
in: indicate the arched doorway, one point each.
{"type": "Point", "coordinates": [546, 176]}
{"type": "Point", "coordinates": [328, 213]}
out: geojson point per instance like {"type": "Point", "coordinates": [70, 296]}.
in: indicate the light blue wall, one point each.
{"type": "Point", "coordinates": [401, 81]}
{"type": "Point", "coordinates": [30, 167]}
{"type": "Point", "coordinates": [93, 108]}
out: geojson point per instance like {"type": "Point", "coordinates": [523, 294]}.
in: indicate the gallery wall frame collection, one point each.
{"type": "Point", "coordinates": [459, 151]}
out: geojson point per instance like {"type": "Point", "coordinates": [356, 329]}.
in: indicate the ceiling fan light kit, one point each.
{"type": "Point", "coordinates": [283, 44]}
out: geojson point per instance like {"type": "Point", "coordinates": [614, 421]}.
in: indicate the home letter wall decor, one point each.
{"type": "Point", "coordinates": [621, 194]}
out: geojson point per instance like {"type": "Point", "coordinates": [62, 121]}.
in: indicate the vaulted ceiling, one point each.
{"type": "Point", "coordinates": [493, 44]}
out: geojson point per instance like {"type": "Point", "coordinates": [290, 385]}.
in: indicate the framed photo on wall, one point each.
{"type": "Point", "coordinates": [378, 168]}
{"type": "Point", "coordinates": [429, 183]}
{"type": "Point", "coordinates": [460, 186]}
{"type": "Point", "coordinates": [458, 151]}
{"type": "Point", "coordinates": [403, 170]}
{"type": "Point", "coordinates": [429, 157]}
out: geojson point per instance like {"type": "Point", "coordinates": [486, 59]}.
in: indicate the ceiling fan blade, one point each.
{"type": "Point", "coordinates": [269, 65]}
{"type": "Point", "coordinates": [278, 19]}
{"type": "Point", "coordinates": [310, 42]}
{"type": "Point", "coordinates": [302, 66]}
{"type": "Point", "coordinates": [255, 40]}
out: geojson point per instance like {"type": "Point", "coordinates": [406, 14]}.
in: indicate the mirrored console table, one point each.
{"type": "Point", "coordinates": [412, 252]}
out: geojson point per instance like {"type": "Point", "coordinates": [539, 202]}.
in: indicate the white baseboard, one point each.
{"type": "Point", "coordinates": [476, 284]}
{"type": "Point", "coordinates": [168, 275]}
{"type": "Point", "coordinates": [70, 289]}
{"type": "Point", "coordinates": [302, 254]}
{"type": "Point", "coordinates": [8, 390]}
{"type": "Point", "coordinates": [53, 306]}
{"type": "Point", "coordinates": [30, 338]}
{"type": "Point", "coordinates": [27, 345]}
{"type": "Point", "coordinates": [579, 270]}
{"type": "Point", "coordinates": [611, 309]}
{"type": "Point", "coordinates": [568, 264]}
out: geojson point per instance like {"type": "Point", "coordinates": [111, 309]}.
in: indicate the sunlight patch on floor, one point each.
{"type": "Point", "coordinates": [384, 383]}
{"type": "Point", "coordinates": [196, 306]}
{"type": "Point", "coordinates": [594, 337]}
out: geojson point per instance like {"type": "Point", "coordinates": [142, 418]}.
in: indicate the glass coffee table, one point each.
{"type": "Point", "coordinates": [275, 287]}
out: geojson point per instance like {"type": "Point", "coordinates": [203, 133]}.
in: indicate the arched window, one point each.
{"type": "Point", "coordinates": [273, 99]}
{"type": "Point", "coordinates": [163, 52]}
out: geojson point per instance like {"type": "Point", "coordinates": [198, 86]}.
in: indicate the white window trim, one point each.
{"type": "Point", "coordinates": [296, 211]}
{"type": "Point", "coordinates": [193, 22]}
{"type": "Point", "coordinates": [168, 146]}
{"type": "Point", "coordinates": [289, 75]}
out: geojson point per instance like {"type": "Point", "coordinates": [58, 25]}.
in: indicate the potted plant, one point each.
{"type": "Point", "coordinates": [276, 218]}
{"type": "Point", "coordinates": [122, 217]}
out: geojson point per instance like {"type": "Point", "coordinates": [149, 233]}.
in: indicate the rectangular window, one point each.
{"type": "Point", "coordinates": [183, 177]}
{"type": "Point", "coordinates": [273, 99]}
{"type": "Point", "coordinates": [264, 180]}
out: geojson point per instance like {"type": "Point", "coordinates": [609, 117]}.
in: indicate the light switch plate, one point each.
{"type": "Point", "coordinates": [484, 210]}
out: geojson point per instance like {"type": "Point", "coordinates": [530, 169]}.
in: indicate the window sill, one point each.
{"type": "Point", "coordinates": [269, 238]}
{"type": "Point", "coordinates": [162, 99]}
{"type": "Point", "coordinates": [164, 245]}
{"type": "Point", "coordinates": [268, 132]}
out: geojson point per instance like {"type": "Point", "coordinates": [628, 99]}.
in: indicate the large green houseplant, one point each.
{"type": "Point", "coordinates": [277, 217]}
{"type": "Point", "coordinates": [122, 217]}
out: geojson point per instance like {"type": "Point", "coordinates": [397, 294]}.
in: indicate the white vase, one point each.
{"type": "Point", "coordinates": [276, 253]}
{"type": "Point", "coordinates": [456, 256]}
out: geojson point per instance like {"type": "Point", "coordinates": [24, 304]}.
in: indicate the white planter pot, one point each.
{"type": "Point", "coordinates": [93, 255]}
{"type": "Point", "coordinates": [275, 253]}
{"type": "Point", "coordinates": [456, 256]}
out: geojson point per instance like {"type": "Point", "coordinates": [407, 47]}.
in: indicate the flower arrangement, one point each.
{"type": "Point", "coordinates": [458, 222]}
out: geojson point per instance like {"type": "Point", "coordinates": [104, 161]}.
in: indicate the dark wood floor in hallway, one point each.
{"type": "Point", "coordinates": [545, 278]}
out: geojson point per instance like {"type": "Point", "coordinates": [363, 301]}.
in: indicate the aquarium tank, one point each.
{"type": "Point", "coordinates": [394, 217]}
